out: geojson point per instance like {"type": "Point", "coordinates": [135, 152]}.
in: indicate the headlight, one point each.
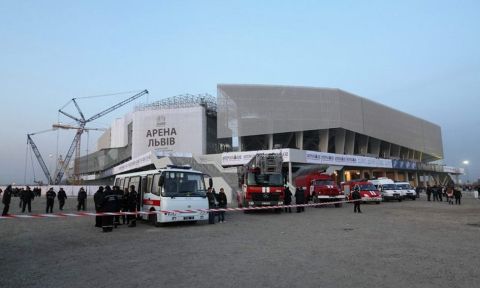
{"type": "Point", "coordinates": [251, 203]}
{"type": "Point", "coordinates": [280, 202]}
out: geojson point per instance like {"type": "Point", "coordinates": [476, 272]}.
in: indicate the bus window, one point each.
{"type": "Point", "coordinates": [155, 187]}
{"type": "Point", "coordinates": [117, 182]}
{"type": "Point", "coordinates": [149, 184]}
{"type": "Point", "coordinates": [125, 183]}
{"type": "Point", "coordinates": [135, 181]}
{"type": "Point", "coordinates": [143, 185]}
{"type": "Point", "coordinates": [120, 183]}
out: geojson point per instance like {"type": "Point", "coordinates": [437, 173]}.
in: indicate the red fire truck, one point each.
{"type": "Point", "coordinates": [261, 181]}
{"type": "Point", "coordinates": [368, 191]}
{"type": "Point", "coordinates": [320, 187]}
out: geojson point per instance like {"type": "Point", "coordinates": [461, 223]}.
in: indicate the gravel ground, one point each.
{"type": "Point", "coordinates": [407, 244]}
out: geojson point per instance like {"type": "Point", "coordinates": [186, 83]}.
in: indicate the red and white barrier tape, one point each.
{"type": "Point", "coordinates": [79, 214]}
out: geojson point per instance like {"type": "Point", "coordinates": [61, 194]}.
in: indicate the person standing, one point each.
{"type": "Point", "coordinates": [429, 192]}
{"type": "Point", "coordinates": [357, 199]}
{"type": "Point", "coordinates": [435, 193]}
{"type": "Point", "coordinates": [118, 193]}
{"type": "Point", "coordinates": [458, 196]}
{"type": "Point", "coordinates": [50, 199]}
{"type": "Point", "coordinates": [450, 195]}
{"type": "Point", "coordinates": [132, 205]}
{"type": "Point", "coordinates": [211, 205]}
{"type": "Point", "coordinates": [299, 199]}
{"type": "Point", "coordinates": [109, 204]}
{"type": "Point", "coordinates": [81, 199]}
{"type": "Point", "coordinates": [7, 197]}
{"type": "Point", "coordinates": [124, 205]}
{"type": "Point", "coordinates": [288, 199]}
{"type": "Point", "coordinates": [27, 197]}
{"type": "Point", "coordinates": [97, 199]}
{"type": "Point", "coordinates": [222, 203]}
{"type": "Point", "coordinates": [62, 196]}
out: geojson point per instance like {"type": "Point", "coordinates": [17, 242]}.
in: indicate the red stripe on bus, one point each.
{"type": "Point", "coordinates": [151, 202]}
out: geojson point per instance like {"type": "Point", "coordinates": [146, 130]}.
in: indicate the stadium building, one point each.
{"type": "Point", "coordinates": [343, 133]}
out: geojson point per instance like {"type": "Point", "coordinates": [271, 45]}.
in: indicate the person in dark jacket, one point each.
{"type": "Point", "coordinates": [222, 203]}
{"type": "Point", "coordinates": [97, 199]}
{"type": "Point", "coordinates": [429, 193]}
{"type": "Point", "coordinates": [27, 197]}
{"type": "Point", "coordinates": [124, 204]}
{"type": "Point", "coordinates": [211, 205]}
{"type": "Point", "coordinates": [356, 196]}
{"type": "Point", "coordinates": [288, 199]}
{"type": "Point", "coordinates": [81, 199]}
{"type": "Point", "coordinates": [50, 200]}
{"type": "Point", "coordinates": [61, 198]}
{"type": "Point", "coordinates": [132, 205]}
{"type": "Point", "coordinates": [109, 204]}
{"type": "Point", "coordinates": [6, 198]}
{"type": "Point", "coordinates": [458, 196]}
{"type": "Point", "coordinates": [300, 199]}
{"type": "Point", "coordinates": [119, 194]}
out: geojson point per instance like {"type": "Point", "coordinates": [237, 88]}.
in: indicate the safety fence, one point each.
{"type": "Point", "coordinates": [80, 214]}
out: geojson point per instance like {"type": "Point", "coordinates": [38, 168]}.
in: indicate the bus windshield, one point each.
{"type": "Point", "coordinates": [183, 184]}
{"type": "Point", "coordinates": [264, 180]}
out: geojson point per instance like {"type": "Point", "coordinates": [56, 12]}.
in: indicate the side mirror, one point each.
{"type": "Point", "coordinates": [161, 180]}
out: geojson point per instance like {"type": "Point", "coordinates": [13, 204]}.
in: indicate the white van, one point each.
{"type": "Point", "coordinates": [407, 190]}
{"type": "Point", "coordinates": [387, 188]}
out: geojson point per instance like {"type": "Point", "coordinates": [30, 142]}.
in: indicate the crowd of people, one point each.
{"type": "Point", "coordinates": [438, 193]}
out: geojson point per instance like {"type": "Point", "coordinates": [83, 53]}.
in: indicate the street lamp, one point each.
{"type": "Point", "coordinates": [466, 162]}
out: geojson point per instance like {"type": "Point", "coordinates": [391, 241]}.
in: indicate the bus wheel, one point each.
{"type": "Point", "coordinates": [152, 218]}
{"type": "Point", "coordinates": [338, 205]}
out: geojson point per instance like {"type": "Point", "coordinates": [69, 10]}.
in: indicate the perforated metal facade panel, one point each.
{"type": "Point", "coordinates": [245, 110]}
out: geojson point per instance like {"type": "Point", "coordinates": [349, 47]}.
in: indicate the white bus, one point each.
{"type": "Point", "coordinates": [167, 189]}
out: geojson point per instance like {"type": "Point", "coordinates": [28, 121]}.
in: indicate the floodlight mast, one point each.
{"type": "Point", "coordinates": [81, 123]}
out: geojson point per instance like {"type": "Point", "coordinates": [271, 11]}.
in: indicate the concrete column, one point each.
{"type": "Point", "coordinates": [363, 145]}
{"type": "Point", "coordinates": [299, 139]}
{"type": "Point", "coordinates": [375, 146]}
{"type": "Point", "coordinates": [240, 143]}
{"type": "Point", "coordinates": [340, 141]}
{"type": "Point", "coordinates": [270, 141]}
{"type": "Point", "coordinates": [349, 142]}
{"type": "Point", "coordinates": [323, 143]}
{"type": "Point", "coordinates": [290, 173]}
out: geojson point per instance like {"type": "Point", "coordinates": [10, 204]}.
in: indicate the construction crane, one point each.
{"type": "Point", "coordinates": [81, 128]}
{"type": "Point", "coordinates": [38, 155]}
{"type": "Point", "coordinates": [76, 167]}
{"type": "Point", "coordinates": [75, 146]}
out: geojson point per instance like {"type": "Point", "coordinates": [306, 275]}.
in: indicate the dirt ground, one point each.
{"type": "Point", "coordinates": [407, 244]}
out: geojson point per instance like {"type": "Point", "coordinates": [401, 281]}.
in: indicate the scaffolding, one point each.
{"type": "Point", "coordinates": [183, 101]}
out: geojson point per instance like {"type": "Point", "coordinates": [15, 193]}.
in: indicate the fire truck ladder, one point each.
{"type": "Point", "coordinates": [269, 163]}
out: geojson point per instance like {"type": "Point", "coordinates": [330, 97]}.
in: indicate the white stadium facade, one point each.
{"type": "Point", "coordinates": [340, 132]}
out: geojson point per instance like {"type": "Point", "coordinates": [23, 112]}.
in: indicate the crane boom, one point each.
{"type": "Point", "coordinates": [70, 116]}
{"type": "Point", "coordinates": [126, 101]}
{"type": "Point", "coordinates": [78, 108]}
{"type": "Point", "coordinates": [69, 155]}
{"type": "Point", "coordinates": [39, 158]}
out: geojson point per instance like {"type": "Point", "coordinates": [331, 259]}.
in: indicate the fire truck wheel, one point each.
{"type": "Point", "coordinates": [378, 202]}
{"type": "Point", "coordinates": [338, 205]}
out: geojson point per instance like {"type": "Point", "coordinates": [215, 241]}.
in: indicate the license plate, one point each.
{"type": "Point", "coordinates": [265, 203]}
{"type": "Point", "coordinates": [188, 218]}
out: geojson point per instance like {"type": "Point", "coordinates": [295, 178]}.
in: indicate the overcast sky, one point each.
{"type": "Point", "coordinates": [420, 57]}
